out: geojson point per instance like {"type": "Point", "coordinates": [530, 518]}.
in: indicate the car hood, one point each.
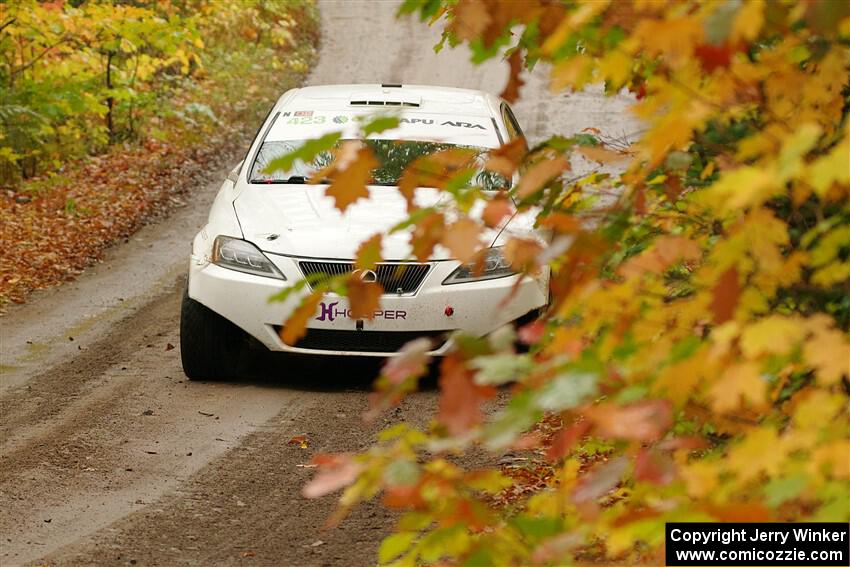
{"type": "Point", "coordinates": [300, 220]}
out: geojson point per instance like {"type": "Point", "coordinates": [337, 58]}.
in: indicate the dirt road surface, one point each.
{"type": "Point", "coordinates": [109, 456]}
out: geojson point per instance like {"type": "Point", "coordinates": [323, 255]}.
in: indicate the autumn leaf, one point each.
{"type": "Point", "coordinates": [295, 326]}
{"type": "Point", "coordinates": [365, 297]}
{"type": "Point", "coordinates": [349, 184]}
{"type": "Point", "coordinates": [496, 210]}
{"type": "Point", "coordinates": [725, 296]}
{"type": "Point", "coordinates": [667, 251]}
{"type": "Point", "coordinates": [600, 154]}
{"type": "Point", "coordinates": [828, 351]}
{"type": "Point", "coordinates": [774, 335]}
{"type": "Point", "coordinates": [642, 421]}
{"type": "Point", "coordinates": [411, 362]}
{"type": "Point", "coordinates": [463, 239]}
{"type": "Point", "coordinates": [515, 82]}
{"type": "Point", "coordinates": [427, 233]}
{"type": "Point", "coordinates": [507, 158]}
{"type": "Point", "coordinates": [335, 472]}
{"type": "Point", "coordinates": [522, 253]}
{"type": "Point", "coordinates": [540, 174]}
{"type": "Point", "coordinates": [368, 254]}
{"type": "Point", "coordinates": [654, 467]}
{"type": "Point", "coordinates": [470, 19]}
{"type": "Point", "coordinates": [461, 397]}
{"type": "Point", "coordinates": [600, 480]}
{"type": "Point", "coordinates": [741, 383]}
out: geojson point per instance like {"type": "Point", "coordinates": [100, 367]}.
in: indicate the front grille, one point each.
{"type": "Point", "coordinates": [365, 341]}
{"type": "Point", "coordinates": [394, 277]}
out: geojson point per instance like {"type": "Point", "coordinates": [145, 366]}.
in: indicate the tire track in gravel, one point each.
{"type": "Point", "coordinates": [247, 507]}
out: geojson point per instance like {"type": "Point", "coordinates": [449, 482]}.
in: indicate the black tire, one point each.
{"type": "Point", "coordinates": [210, 345]}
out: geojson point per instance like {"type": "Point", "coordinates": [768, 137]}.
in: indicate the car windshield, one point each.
{"type": "Point", "coordinates": [393, 156]}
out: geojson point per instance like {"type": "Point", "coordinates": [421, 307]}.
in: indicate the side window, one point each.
{"type": "Point", "coordinates": [514, 131]}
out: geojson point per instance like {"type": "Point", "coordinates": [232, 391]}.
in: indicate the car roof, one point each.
{"type": "Point", "coordinates": [430, 99]}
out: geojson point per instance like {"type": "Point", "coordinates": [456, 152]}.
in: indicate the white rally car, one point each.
{"type": "Point", "coordinates": [267, 231]}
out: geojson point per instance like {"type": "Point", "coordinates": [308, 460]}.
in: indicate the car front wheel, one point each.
{"type": "Point", "coordinates": [210, 345]}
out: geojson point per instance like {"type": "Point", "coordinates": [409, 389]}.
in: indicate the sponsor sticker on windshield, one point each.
{"type": "Point", "coordinates": [307, 124]}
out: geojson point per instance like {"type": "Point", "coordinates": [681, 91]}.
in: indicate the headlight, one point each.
{"type": "Point", "coordinates": [242, 256]}
{"type": "Point", "coordinates": [495, 266]}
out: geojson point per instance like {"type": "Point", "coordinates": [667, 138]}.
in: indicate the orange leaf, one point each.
{"type": "Point", "coordinates": [724, 296]}
{"type": "Point", "coordinates": [349, 184]}
{"type": "Point", "coordinates": [522, 253]}
{"type": "Point", "coordinates": [515, 82]}
{"type": "Point", "coordinates": [600, 154]}
{"type": "Point", "coordinates": [426, 235]}
{"type": "Point", "coordinates": [365, 297]}
{"type": "Point", "coordinates": [560, 222]}
{"type": "Point", "coordinates": [470, 19]}
{"type": "Point", "coordinates": [496, 210]}
{"type": "Point", "coordinates": [506, 159]}
{"type": "Point", "coordinates": [666, 251]}
{"type": "Point", "coordinates": [641, 421]}
{"type": "Point", "coordinates": [540, 174]}
{"type": "Point", "coordinates": [460, 402]}
{"type": "Point", "coordinates": [463, 239]}
{"type": "Point", "coordinates": [296, 325]}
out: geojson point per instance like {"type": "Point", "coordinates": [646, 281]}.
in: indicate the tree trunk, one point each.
{"type": "Point", "coordinates": [110, 101]}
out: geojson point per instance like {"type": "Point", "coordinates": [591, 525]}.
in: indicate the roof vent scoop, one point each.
{"type": "Point", "coordinates": [373, 102]}
{"type": "Point", "coordinates": [391, 85]}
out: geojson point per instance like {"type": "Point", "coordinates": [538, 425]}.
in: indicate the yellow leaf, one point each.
{"type": "Point", "coordinates": [740, 188]}
{"type": "Point", "coordinates": [739, 383]}
{"type": "Point", "coordinates": [674, 38]}
{"type": "Point", "coordinates": [748, 21]}
{"type": "Point", "coordinates": [831, 168]}
{"type": "Point", "coordinates": [772, 335]}
{"type": "Point", "coordinates": [828, 351]}
{"type": "Point", "coordinates": [574, 72]}
{"type": "Point", "coordinates": [832, 460]}
{"type": "Point", "coordinates": [817, 409]}
{"type": "Point", "coordinates": [701, 478]}
{"type": "Point", "coordinates": [758, 452]}
{"type": "Point", "coordinates": [615, 67]}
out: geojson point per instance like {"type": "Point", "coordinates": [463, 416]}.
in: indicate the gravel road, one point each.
{"type": "Point", "coordinates": [109, 456]}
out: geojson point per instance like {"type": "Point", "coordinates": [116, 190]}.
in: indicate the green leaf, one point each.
{"type": "Point", "coordinates": [780, 490]}
{"type": "Point", "coordinates": [537, 528]}
{"type": "Point", "coordinates": [566, 391]}
{"type": "Point", "coordinates": [401, 473]}
{"type": "Point", "coordinates": [305, 153]}
{"type": "Point", "coordinates": [395, 545]}
{"type": "Point", "coordinates": [380, 124]}
{"type": "Point", "coordinates": [501, 368]}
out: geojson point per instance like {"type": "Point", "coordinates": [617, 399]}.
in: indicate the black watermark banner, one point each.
{"type": "Point", "coordinates": [803, 543]}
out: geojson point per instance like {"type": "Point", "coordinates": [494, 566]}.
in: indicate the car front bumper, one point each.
{"type": "Point", "coordinates": [433, 310]}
